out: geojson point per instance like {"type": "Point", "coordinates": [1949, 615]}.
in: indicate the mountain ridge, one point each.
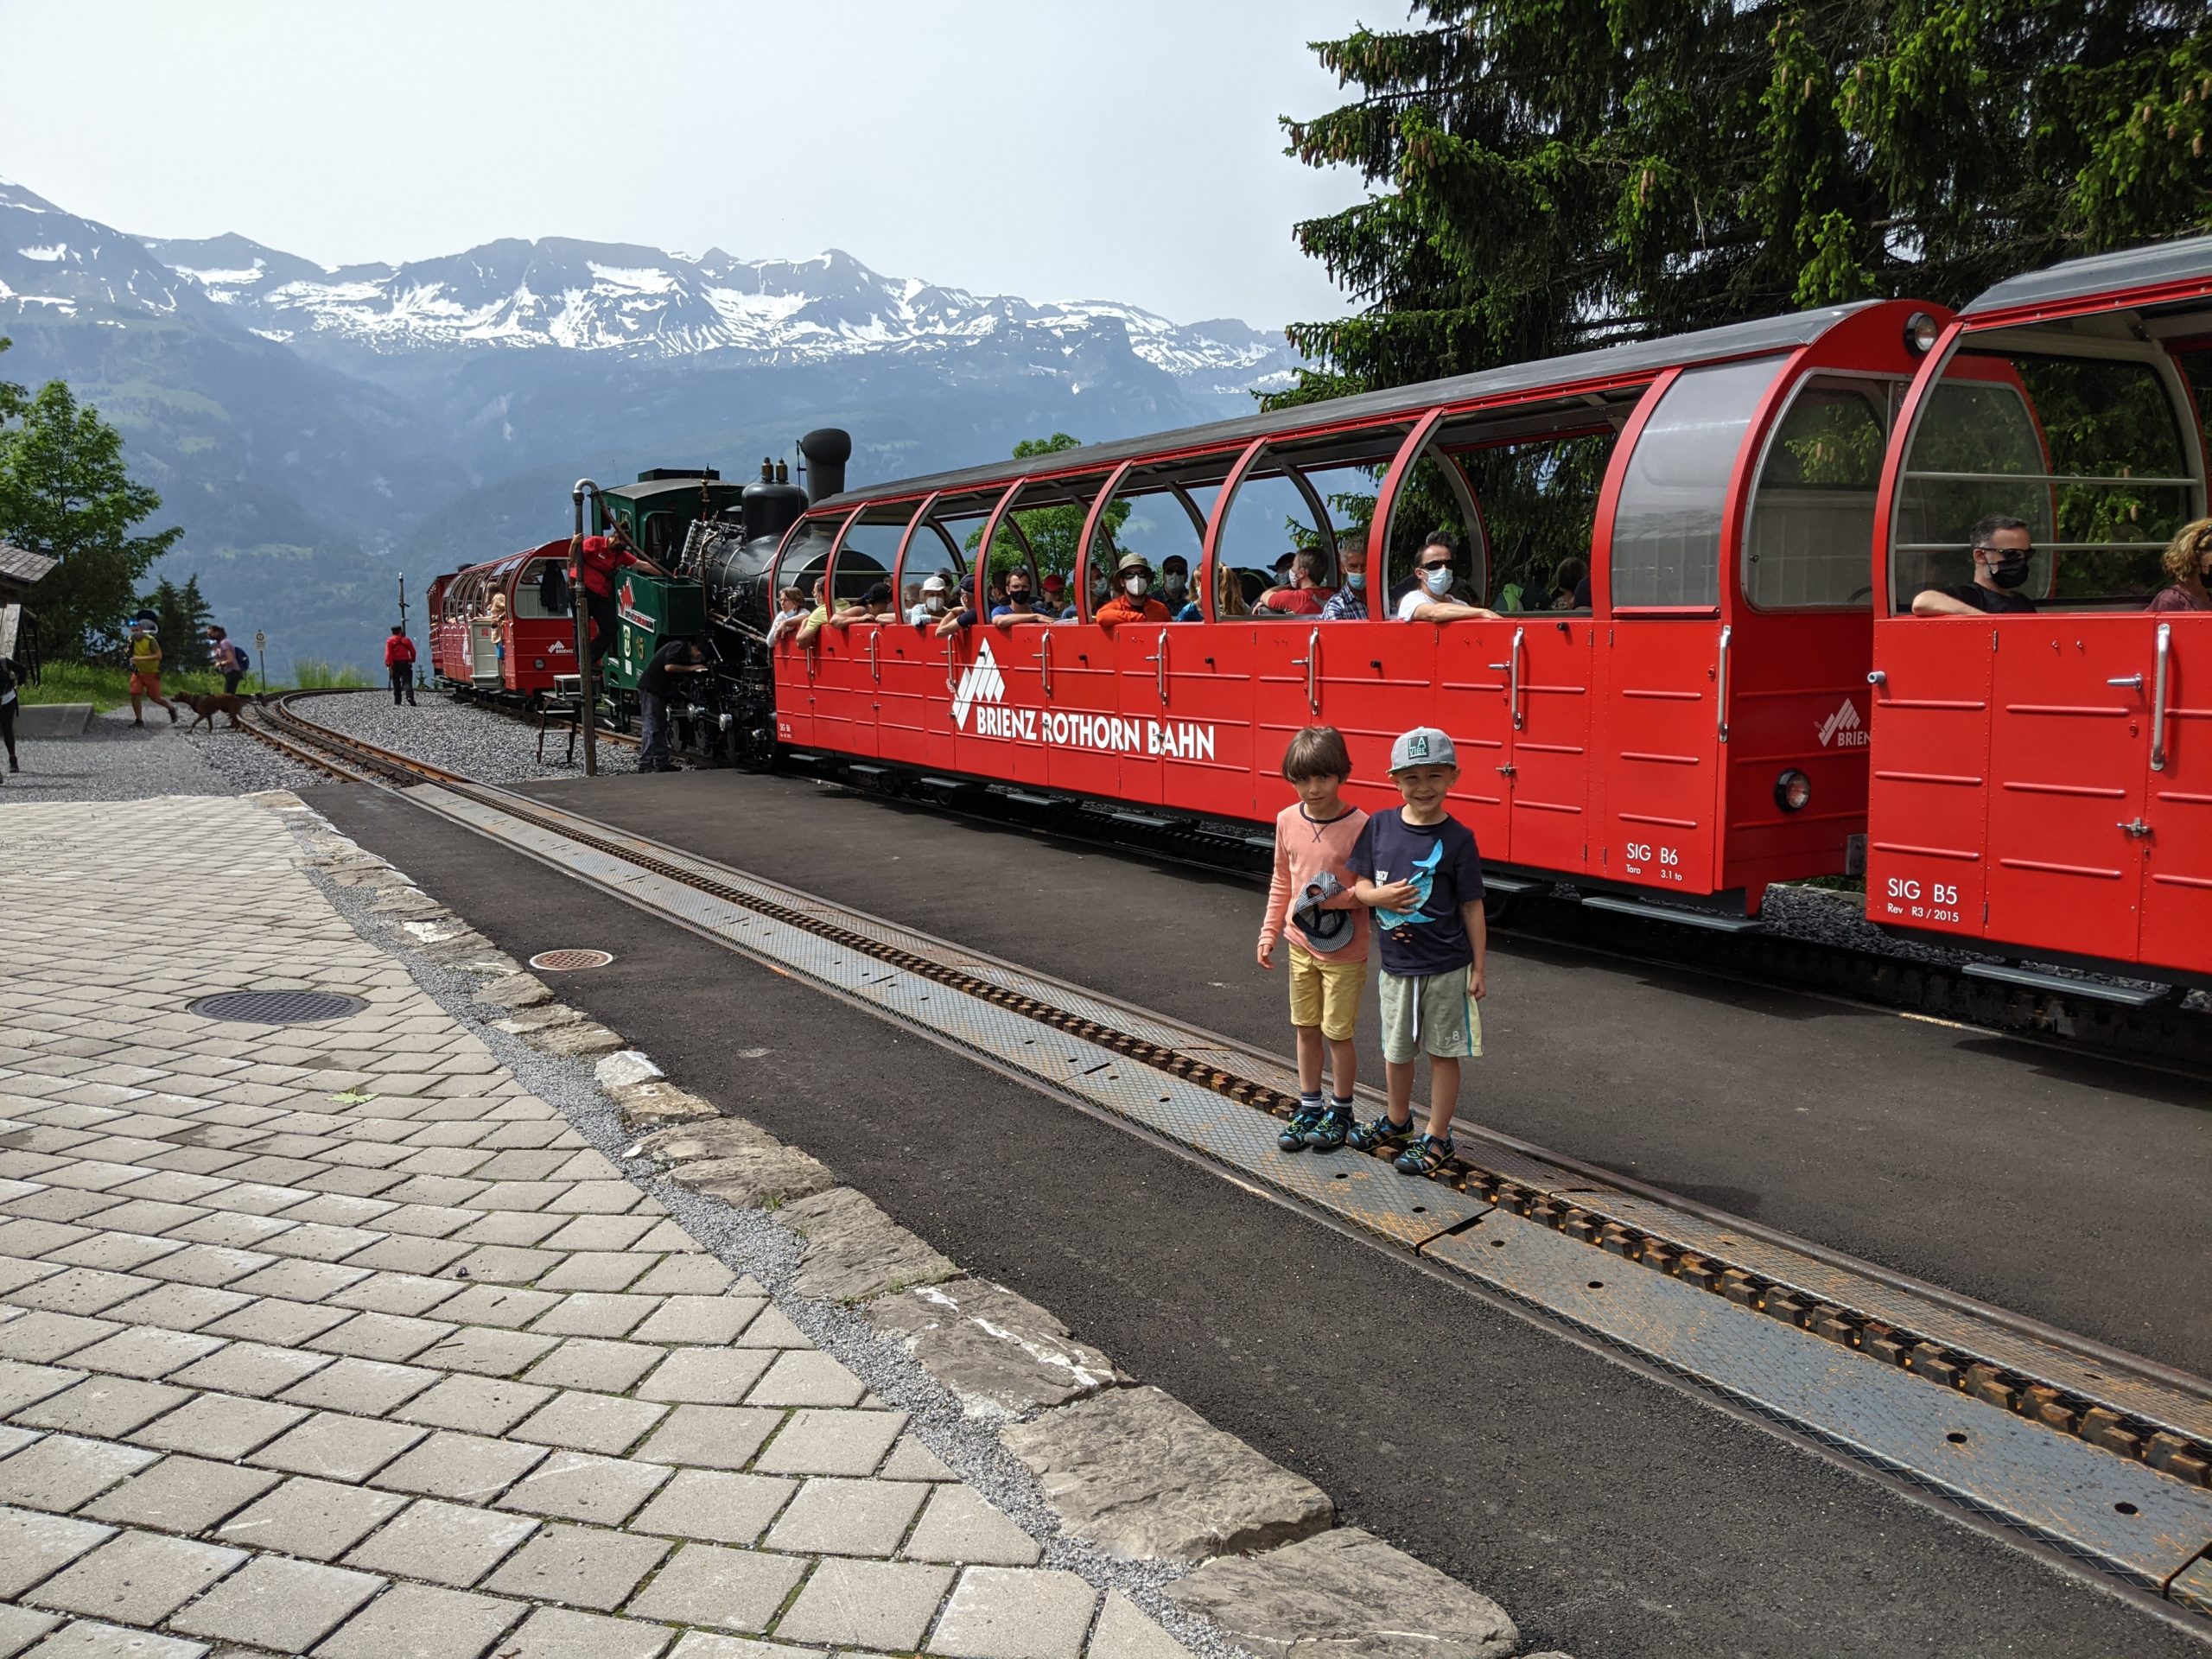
{"type": "Point", "coordinates": [319, 431]}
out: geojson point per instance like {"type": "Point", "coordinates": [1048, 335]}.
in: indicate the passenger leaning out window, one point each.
{"type": "Point", "coordinates": [1437, 595]}
{"type": "Point", "coordinates": [2001, 548]}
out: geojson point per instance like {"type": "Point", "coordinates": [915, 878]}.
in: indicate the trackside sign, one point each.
{"type": "Point", "coordinates": [980, 709]}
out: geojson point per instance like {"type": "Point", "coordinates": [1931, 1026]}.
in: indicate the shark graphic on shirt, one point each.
{"type": "Point", "coordinates": [1423, 876]}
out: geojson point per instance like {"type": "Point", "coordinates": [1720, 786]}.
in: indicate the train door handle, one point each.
{"type": "Point", "coordinates": [1720, 690]}
{"type": "Point", "coordinates": [2136, 830]}
{"type": "Point", "coordinates": [2165, 652]}
{"type": "Point", "coordinates": [1310, 662]}
{"type": "Point", "coordinates": [1160, 670]}
{"type": "Point", "coordinates": [2128, 682]}
{"type": "Point", "coordinates": [950, 682]}
{"type": "Point", "coordinates": [875, 668]}
{"type": "Point", "coordinates": [1044, 660]}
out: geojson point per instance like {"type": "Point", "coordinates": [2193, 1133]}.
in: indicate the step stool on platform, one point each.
{"type": "Point", "coordinates": [564, 708]}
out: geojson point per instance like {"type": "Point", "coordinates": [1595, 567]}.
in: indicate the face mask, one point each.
{"type": "Point", "coordinates": [1355, 580]}
{"type": "Point", "coordinates": [935, 602]}
{"type": "Point", "coordinates": [2009, 574]}
{"type": "Point", "coordinates": [1175, 586]}
{"type": "Point", "coordinates": [1017, 596]}
{"type": "Point", "coordinates": [1135, 587]}
{"type": "Point", "coordinates": [1439, 581]}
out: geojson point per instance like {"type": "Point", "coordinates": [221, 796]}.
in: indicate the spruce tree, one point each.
{"type": "Point", "coordinates": [1550, 177]}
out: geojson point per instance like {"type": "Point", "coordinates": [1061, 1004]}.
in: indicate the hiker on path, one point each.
{"type": "Point", "coordinates": [398, 664]}
{"type": "Point", "coordinates": [146, 673]}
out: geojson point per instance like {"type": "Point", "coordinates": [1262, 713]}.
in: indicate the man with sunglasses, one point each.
{"type": "Point", "coordinates": [1435, 595]}
{"type": "Point", "coordinates": [2002, 548]}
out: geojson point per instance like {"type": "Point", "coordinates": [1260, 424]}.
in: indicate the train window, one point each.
{"type": "Point", "coordinates": [804, 554]}
{"type": "Point", "coordinates": [1666, 549]}
{"type": "Point", "coordinates": [930, 552]}
{"type": "Point", "coordinates": [1161, 521]}
{"type": "Point", "coordinates": [2090, 452]}
{"type": "Point", "coordinates": [1539, 500]}
{"type": "Point", "coordinates": [1810, 542]}
{"type": "Point", "coordinates": [529, 601]}
{"type": "Point", "coordinates": [865, 556]}
{"type": "Point", "coordinates": [1435, 502]}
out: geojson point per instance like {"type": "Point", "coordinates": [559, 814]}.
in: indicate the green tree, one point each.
{"type": "Point", "coordinates": [1054, 532]}
{"type": "Point", "coordinates": [182, 616]}
{"type": "Point", "coordinates": [63, 493]}
{"type": "Point", "coordinates": [1550, 177]}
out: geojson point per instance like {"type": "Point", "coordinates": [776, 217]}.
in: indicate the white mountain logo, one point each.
{"type": "Point", "coordinates": [1843, 729]}
{"type": "Point", "coordinates": [980, 681]}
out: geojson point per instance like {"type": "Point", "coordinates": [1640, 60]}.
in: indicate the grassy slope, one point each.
{"type": "Point", "coordinates": [107, 686]}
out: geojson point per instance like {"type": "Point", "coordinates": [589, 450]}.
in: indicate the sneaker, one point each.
{"type": "Point", "coordinates": [1425, 1157]}
{"type": "Point", "coordinates": [1302, 1122]}
{"type": "Point", "coordinates": [1381, 1132]}
{"type": "Point", "coordinates": [1332, 1131]}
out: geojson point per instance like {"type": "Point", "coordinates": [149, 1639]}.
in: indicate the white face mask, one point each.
{"type": "Point", "coordinates": [1174, 585]}
{"type": "Point", "coordinates": [935, 601]}
{"type": "Point", "coordinates": [1135, 587]}
{"type": "Point", "coordinates": [1439, 581]}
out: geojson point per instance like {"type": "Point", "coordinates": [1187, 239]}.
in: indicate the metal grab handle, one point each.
{"type": "Point", "coordinates": [1726, 633]}
{"type": "Point", "coordinates": [1045, 661]}
{"type": "Point", "coordinates": [1513, 682]}
{"type": "Point", "coordinates": [1310, 662]}
{"type": "Point", "coordinates": [2130, 681]}
{"type": "Point", "coordinates": [2159, 697]}
{"type": "Point", "coordinates": [949, 681]}
{"type": "Point", "coordinates": [874, 672]}
{"type": "Point", "coordinates": [1160, 672]}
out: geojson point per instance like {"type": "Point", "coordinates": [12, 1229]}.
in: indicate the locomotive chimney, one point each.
{"type": "Point", "coordinates": [827, 449]}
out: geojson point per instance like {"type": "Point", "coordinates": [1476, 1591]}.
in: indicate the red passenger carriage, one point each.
{"type": "Point", "coordinates": [517, 648]}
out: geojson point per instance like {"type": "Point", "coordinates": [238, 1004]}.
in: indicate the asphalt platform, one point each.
{"type": "Point", "coordinates": [1614, 1515]}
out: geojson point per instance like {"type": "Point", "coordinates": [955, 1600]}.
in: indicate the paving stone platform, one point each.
{"type": "Point", "coordinates": [333, 1339]}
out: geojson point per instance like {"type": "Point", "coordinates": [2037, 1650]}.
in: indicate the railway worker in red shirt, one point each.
{"type": "Point", "coordinates": [592, 564]}
{"type": "Point", "coordinates": [399, 664]}
{"type": "Point", "coordinates": [1436, 594]}
{"type": "Point", "coordinates": [1133, 603]}
{"type": "Point", "coordinates": [2002, 547]}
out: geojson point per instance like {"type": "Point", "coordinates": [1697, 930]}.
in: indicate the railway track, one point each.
{"type": "Point", "coordinates": [2098, 1456]}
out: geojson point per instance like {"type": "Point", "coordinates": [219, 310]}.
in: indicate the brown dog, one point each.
{"type": "Point", "coordinates": [207, 707]}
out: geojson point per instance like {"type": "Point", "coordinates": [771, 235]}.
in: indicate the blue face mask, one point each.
{"type": "Point", "coordinates": [1355, 580]}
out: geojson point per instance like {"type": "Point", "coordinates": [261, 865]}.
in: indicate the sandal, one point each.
{"type": "Point", "coordinates": [1380, 1131]}
{"type": "Point", "coordinates": [1293, 1138]}
{"type": "Point", "coordinates": [1425, 1157]}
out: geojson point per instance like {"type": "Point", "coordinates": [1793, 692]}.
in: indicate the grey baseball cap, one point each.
{"type": "Point", "coordinates": [1424, 746]}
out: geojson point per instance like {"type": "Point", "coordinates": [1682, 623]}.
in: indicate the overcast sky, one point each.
{"type": "Point", "coordinates": [1122, 150]}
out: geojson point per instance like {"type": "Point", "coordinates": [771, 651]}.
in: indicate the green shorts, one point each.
{"type": "Point", "coordinates": [1433, 1012]}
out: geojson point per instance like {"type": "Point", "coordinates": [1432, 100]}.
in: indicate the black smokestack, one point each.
{"type": "Point", "coordinates": [827, 449]}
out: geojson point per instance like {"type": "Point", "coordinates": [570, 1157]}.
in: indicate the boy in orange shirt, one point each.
{"type": "Point", "coordinates": [1311, 900]}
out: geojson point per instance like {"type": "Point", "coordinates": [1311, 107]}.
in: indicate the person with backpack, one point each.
{"type": "Point", "coordinates": [399, 664]}
{"type": "Point", "coordinates": [230, 661]}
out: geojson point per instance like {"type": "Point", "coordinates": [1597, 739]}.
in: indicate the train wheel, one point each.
{"type": "Point", "coordinates": [1498, 907]}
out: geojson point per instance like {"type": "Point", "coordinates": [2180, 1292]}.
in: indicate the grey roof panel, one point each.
{"type": "Point", "coordinates": [2101, 273]}
{"type": "Point", "coordinates": [1631, 358]}
{"type": "Point", "coordinates": [21, 564]}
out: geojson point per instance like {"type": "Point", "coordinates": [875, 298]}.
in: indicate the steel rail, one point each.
{"type": "Point", "coordinates": [2146, 1414]}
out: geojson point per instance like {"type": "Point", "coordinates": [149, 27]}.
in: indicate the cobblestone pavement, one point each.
{"type": "Point", "coordinates": [334, 1339]}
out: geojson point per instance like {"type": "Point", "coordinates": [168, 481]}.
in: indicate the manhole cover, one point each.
{"type": "Point", "coordinates": [277, 1008]}
{"type": "Point", "coordinates": [561, 961]}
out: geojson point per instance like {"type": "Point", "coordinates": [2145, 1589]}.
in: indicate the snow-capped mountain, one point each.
{"type": "Point", "coordinates": [558, 293]}
{"type": "Point", "coordinates": [313, 427]}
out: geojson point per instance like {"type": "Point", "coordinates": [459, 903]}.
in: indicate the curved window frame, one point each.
{"type": "Point", "coordinates": [1821, 379]}
{"type": "Point", "coordinates": [1715, 488]}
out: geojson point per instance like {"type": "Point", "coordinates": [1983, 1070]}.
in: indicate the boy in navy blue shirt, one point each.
{"type": "Point", "coordinates": [1421, 875]}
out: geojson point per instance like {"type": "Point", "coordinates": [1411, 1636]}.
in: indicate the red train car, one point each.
{"type": "Point", "coordinates": [2042, 781]}
{"type": "Point", "coordinates": [1689, 732]}
{"type": "Point", "coordinates": [513, 648]}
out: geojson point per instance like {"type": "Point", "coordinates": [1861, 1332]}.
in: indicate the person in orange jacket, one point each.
{"type": "Point", "coordinates": [1132, 604]}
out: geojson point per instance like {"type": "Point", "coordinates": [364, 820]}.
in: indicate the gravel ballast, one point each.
{"type": "Point", "coordinates": [116, 760]}
{"type": "Point", "coordinates": [463, 737]}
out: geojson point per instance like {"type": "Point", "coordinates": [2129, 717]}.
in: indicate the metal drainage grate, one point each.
{"type": "Point", "coordinates": [277, 1008]}
{"type": "Point", "coordinates": [561, 961]}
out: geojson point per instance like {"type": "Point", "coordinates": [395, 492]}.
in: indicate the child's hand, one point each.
{"type": "Point", "coordinates": [1392, 895]}
{"type": "Point", "coordinates": [1476, 987]}
{"type": "Point", "coordinates": [1267, 955]}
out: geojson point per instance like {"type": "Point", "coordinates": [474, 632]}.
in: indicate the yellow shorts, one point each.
{"type": "Point", "coordinates": [1325, 994]}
